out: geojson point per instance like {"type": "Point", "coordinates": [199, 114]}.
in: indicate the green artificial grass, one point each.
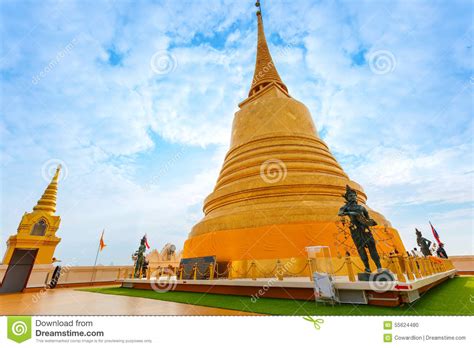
{"type": "Point", "coordinates": [453, 297]}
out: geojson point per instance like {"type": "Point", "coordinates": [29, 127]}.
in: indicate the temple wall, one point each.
{"type": "Point", "coordinates": [73, 276]}
{"type": "Point", "coordinates": [463, 263]}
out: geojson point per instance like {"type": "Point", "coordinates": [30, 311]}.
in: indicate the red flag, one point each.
{"type": "Point", "coordinates": [102, 244]}
{"type": "Point", "coordinates": [146, 242]}
{"type": "Point", "coordinates": [435, 234]}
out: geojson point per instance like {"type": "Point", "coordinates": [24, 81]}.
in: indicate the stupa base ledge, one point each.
{"type": "Point", "coordinates": [388, 294]}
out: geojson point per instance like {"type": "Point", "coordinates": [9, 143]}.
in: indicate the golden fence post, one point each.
{"type": "Point", "coordinates": [229, 270]}
{"type": "Point", "coordinates": [398, 270]}
{"type": "Point", "coordinates": [140, 274]}
{"type": "Point", "coordinates": [446, 265]}
{"type": "Point", "coordinates": [427, 266]}
{"type": "Point", "coordinates": [350, 270]}
{"type": "Point", "coordinates": [408, 268]}
{"type": "Point", "coordinates": [194, 272]}
{"type": "Point", "coordinates": [423, 266]}
{"type": "Point", "coordinates": [253, 269]}
{"type": "Point", "coordinates": [148, 273]}
{"type": "Point", "coordinates": [401, 263]}
{"type": "Point", "coordinates": [443, 267]}
{"type": "Point", "coordinates": [420, 266]}
{"type": "Point", "coordinates": [211, 271]}
{"type": "Point", "coordinates": [390, 265]}
{"type": "Point", "coordinates": [181, 273]}
{"type": "Point", "coordinates": [414, 267]}
{"type": "Point", "coordinates": [279, 271]}
{"type": "Point", "coordinates": [310, 267]}
{"type": "Point", "coordinates": [434, 265]}
{"type": "Point", "coordinates": [118, 274]}
{"type": "Point", "coordinates": [430, 265]}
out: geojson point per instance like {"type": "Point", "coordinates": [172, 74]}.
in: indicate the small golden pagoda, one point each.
{"type": "Point", "coordinates": [280, 188]}
{"type": "Point", "coordinates": [37, 230]}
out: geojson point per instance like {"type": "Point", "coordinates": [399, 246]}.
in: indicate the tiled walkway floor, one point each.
{"type": "Point", "coordinates": [72, 302]}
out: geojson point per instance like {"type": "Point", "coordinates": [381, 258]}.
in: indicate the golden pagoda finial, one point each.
{"type": "Point", "coordinates": [56, 174]}
{"type": "Point", "coordinates": [265, 71]}
{"type": "Point", "coordinates": [257, 4]}
{"type": "Point", "coordinates": [47, 201]}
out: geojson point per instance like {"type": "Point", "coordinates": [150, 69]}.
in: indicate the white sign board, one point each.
{"type": "Point", "coordinates": [323, 287]}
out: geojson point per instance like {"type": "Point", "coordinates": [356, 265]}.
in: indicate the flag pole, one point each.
{"type": "Point", "coordinates": [96, 257]}
{"type": "Point", "coordinates": [98, 249]}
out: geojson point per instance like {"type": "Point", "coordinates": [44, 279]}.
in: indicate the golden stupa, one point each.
{"type": "Point", "coordinates": [37, 229]}
{"type": "Point", "coordinates": [280, 188]}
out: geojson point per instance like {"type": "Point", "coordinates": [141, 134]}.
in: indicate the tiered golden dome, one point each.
{"type": "Point", "coordinates": [280, 187]}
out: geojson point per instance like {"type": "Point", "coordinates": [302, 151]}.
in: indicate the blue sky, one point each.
{"type": "Point", "coordinates": [136, 100]}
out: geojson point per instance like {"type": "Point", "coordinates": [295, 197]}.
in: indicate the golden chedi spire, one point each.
{"type": "Point", "coordinates": [265, 70]}
{"type": "Point", "coordinates": [280, 187]}
{"type": "Point", "coordinates": [37, 229]}
{"type": "Point", "coordinates": [47, 202]}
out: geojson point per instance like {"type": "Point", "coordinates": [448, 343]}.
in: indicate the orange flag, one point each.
{"type": "Point", "coordinates": [102, 245]}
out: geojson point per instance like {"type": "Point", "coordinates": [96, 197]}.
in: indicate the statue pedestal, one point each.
{"type": "Point", "coordinates": [378, 293]}
{"type": "Point", "coordinates": [363, 276]}
{"type": "Point", "coordinates": [383, 275]}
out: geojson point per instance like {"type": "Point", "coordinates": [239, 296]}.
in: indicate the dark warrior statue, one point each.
{"type": "Point", "coordinates": [423, 243]}
{"type": "Point", "coordinates": [360, 223]}
{"type": "Point", "coordinates": [140, 261]}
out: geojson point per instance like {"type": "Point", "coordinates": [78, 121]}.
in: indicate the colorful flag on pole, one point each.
{"type": "Point", "coordinates": [435, 234]}
{"type": "Point", "coordinates": [146, 242]}
{"type": "Point", "coordinates": [102, 244]}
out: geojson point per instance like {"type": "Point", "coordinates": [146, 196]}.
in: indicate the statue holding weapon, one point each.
{"type": "Point", "coordinates": [360, 224]}
{"type": "Point", "coordinates": [139, 257]}
{"type": "Point", "coordinates": [423, 243]}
